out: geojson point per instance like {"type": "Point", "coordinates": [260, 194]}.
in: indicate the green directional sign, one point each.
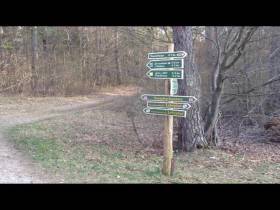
{"type": "Point", "coordinates": [168, 98]}
{"type": "Point", "coordinates": [173, 86]}
{"type": "Point", "coordinates": [162, 55]}
{"type": "Point", "coordinates": [167, 105]}
{"type": "Point", "coordinates": [166, 112]}
{"type": "Point", "coordinates": [165, 74]}
{"type": "Point", "coordinates": [166, 64]}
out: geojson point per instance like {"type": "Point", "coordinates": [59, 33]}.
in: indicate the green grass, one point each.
{"type": "Point", "coordinates": [103, 164]}
{"type": "Point", "coordinates": [79, 147]}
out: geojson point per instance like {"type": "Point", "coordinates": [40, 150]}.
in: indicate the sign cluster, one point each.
{"type": "Point", "coordinates": [167, 65]}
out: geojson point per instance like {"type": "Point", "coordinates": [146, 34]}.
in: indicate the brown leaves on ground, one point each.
{"type": "Point", "coordinates": [272, 129]}
{"type": "Point", "coordinates": [252, 144]}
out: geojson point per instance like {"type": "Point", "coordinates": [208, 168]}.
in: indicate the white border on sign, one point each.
{"type": "Point", "coordinates": [174, 68]}
{"type": "Point", "coordinates": [161, 102]}
{"type": "Point", "coordinates": [185, 54]}
{"type": "Point", "coordinates": [181, 70]}
{"type": "Point", "coordinates": [185, 112]}
{"type": "Point", "coordinates": [146, 95]}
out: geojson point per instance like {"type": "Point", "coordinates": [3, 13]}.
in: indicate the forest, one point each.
{"type": "Point", "coordinates": [70, 104]}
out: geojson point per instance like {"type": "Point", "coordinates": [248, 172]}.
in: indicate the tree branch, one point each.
{"type": "Point", "coordinates": [168, 37]}
{"type": "Point", "coordinates": [240, 48]}
{"type": "Point", "coordinates": [272, 80]}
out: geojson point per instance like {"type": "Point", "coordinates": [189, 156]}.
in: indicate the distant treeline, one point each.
{"type": "Point", "coordinates": [48, 61]}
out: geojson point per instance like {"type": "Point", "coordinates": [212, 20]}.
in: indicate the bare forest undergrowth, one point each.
{"type": "Point", "coordinates": [106, 138]}
{"type": "Point", "coordinates": [253, 143]}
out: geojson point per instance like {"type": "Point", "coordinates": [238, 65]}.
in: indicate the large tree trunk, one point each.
{"type": "Point", "coordinates": [34, 59]}
{"type": "Point", "coordinates": [191, 133]}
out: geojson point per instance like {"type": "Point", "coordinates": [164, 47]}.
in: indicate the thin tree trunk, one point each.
{"type": "Point", "coordinates": [212, 115]}
{"type": "Point", "coordinates": [34, 59]}
{"type": "Point", "coordinates": [191, 133]}
{"type": "Point", "coordinates": [274, 60]}
{"type": "Point", "coordinates": [117, 57]}
{"type": "Point", "coordinates": [45, 72]}
{"type": "Point", "coordinates": [209, 57]}
{"type": "Point", "coordinates": [82, 54]}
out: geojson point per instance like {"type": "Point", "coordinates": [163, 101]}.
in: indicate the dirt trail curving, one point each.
{"type": "Point", "coordinates": [16, 167]}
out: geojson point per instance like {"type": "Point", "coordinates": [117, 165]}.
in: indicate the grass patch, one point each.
{"type": "Point", "coordinates": [98, 146]}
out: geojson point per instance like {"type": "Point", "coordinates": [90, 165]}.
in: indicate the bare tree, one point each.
{"type": "Point", "coordinates": [230, 44]}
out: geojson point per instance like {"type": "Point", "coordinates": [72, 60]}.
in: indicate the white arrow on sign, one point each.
{"type": "Point", "coordinates": [186, 106]}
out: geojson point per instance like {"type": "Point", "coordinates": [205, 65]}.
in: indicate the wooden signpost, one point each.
{"type": "Point", "coordinates": [168, 163]}
{"type": "Point", "coordinates": [169, 66]}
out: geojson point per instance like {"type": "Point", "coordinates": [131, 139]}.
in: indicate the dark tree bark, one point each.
{"type": "Point", "coordinates": [191, 133]}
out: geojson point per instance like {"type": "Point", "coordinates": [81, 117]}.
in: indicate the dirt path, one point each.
{"type": "Point", "coordinates": [16, 167]}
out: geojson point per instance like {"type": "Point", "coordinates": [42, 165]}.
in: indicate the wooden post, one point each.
{"type": "Point", "coordinates": [168, 131]}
